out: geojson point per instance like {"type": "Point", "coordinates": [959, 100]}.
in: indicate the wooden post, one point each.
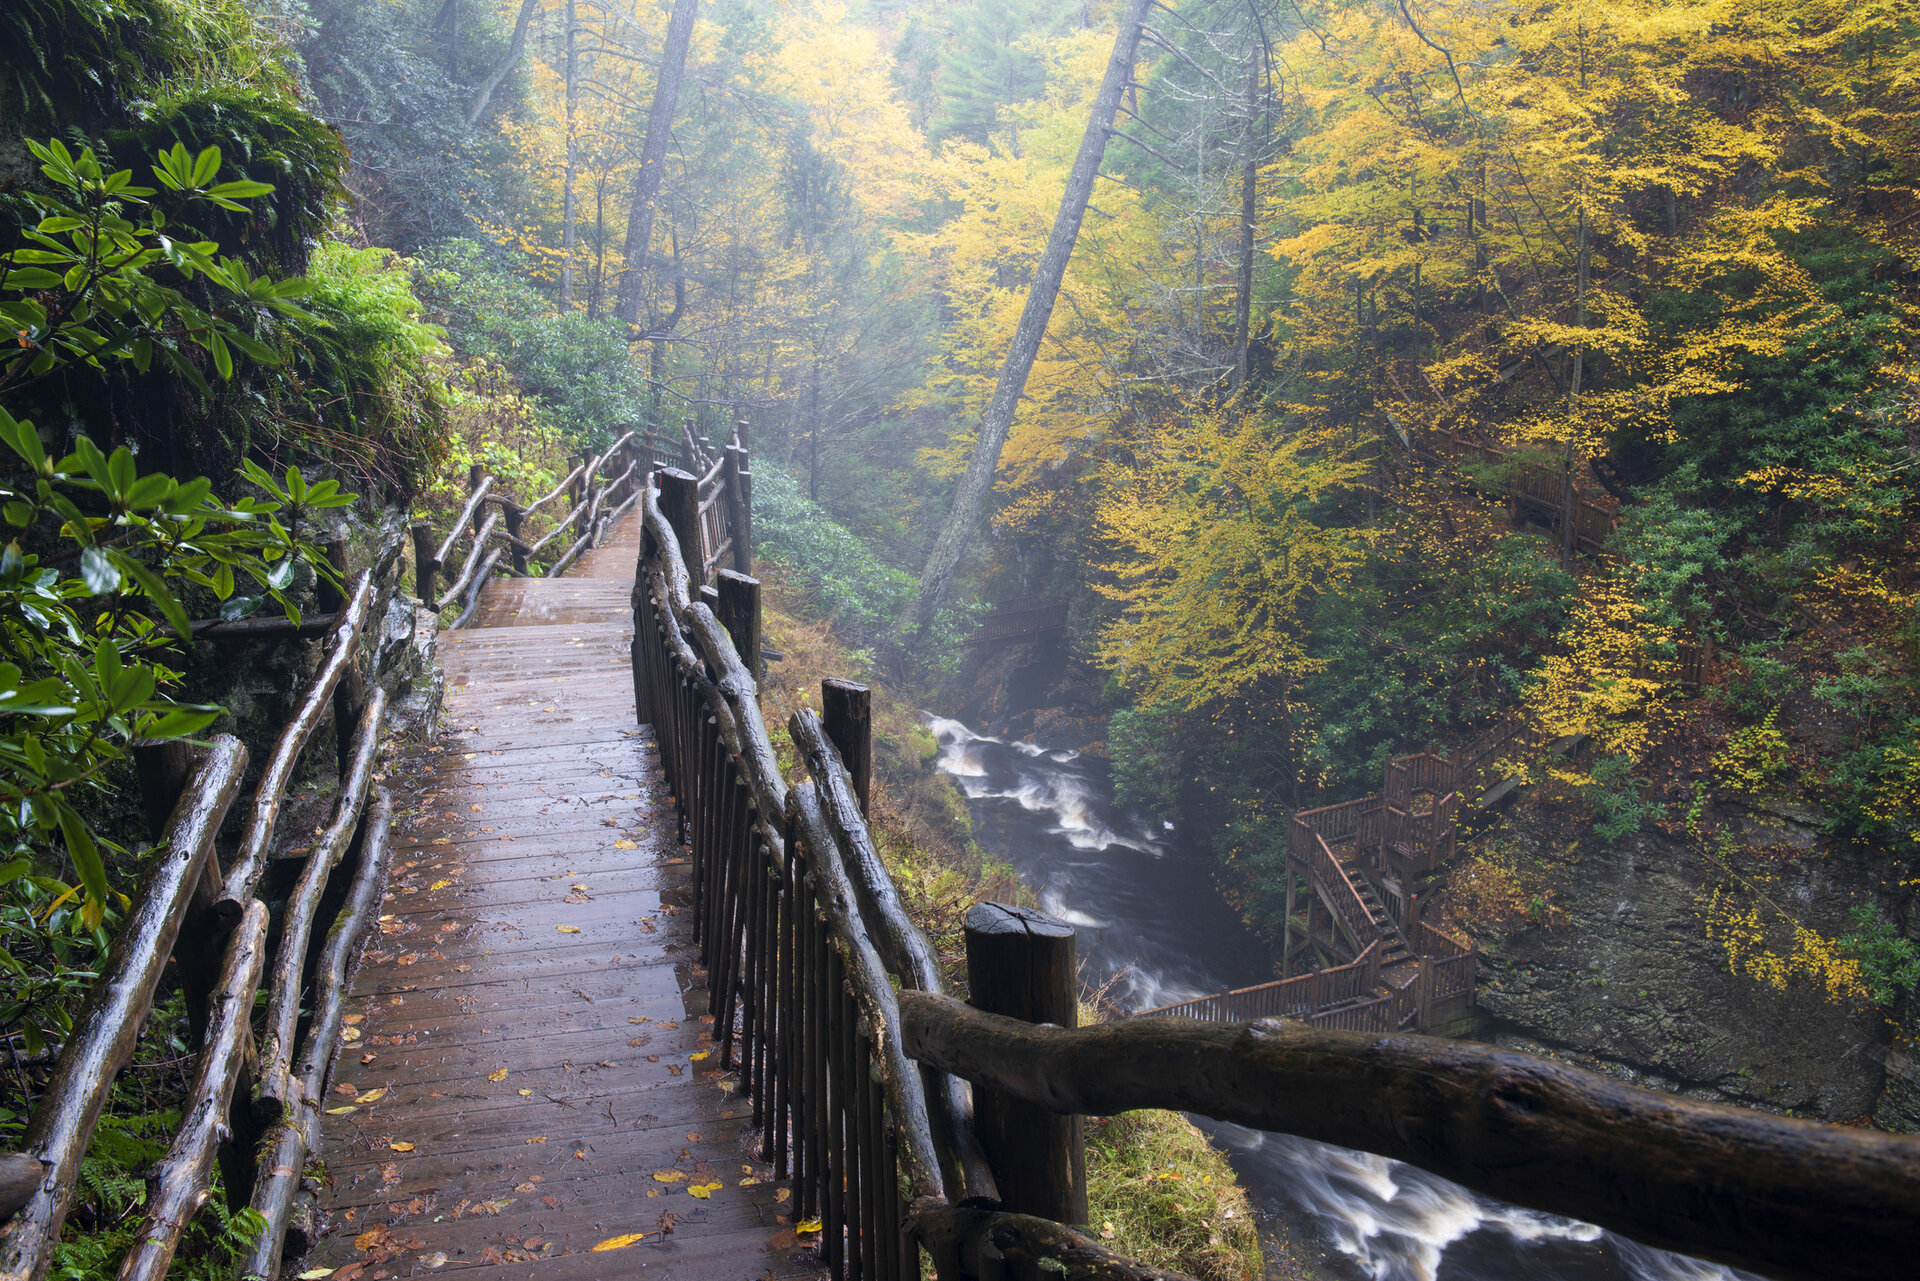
{"type": "Point", "coordinates": [577, 490]}
{"type": "Point", "coordinates": [680, 504]}
{"type": "Point", "coordinates": [1423, 993]}
{"type": "Point", "coordinates": [1286, 928]}
{"type": "Point", "coordinates": [475, 474]}
{"type": "Point", "coordinates": [846, 713]}
{"type": "Point", "coordinates": [734, 468]}
{"type": "Point", "coordinates": [423, 562]}
{"type": "Point", "coordinates": [739, 613]}
{"type": "Point", "coordinates": [514, 518]}
{"type": "Point", "coordinates": [1020, 963]}
{"type": "Point", "coordinates": [163, 767]}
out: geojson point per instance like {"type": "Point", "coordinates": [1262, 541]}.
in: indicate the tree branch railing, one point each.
{"type": "Point", "coordinates": [214, 924]}
{"type": "Point", "coordinates": [827, 1002]}
{"type": "Point", "coordinates": [599, 491]}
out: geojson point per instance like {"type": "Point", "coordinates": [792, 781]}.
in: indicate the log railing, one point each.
{"type": "Point", "coordinates": [214, 924]}
{"type": "Point", "coordinates": [599, 491]}
{"type": "Point", "coordinates": [825, 998]}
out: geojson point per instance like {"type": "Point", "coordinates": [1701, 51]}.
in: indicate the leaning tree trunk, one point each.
{"type": "Point", "coordinates": [484, 94]}
{"type": "Point", "coordinates": [568, 205]}
{"type": "Point", "coordinates": [653, 159]}
{"type": "Point", "coordinates": [1021, 352]}
{"type": "Point", "coordinates": [1584, 269]}
{"type": "Point", "coordinates": [1249, 173]}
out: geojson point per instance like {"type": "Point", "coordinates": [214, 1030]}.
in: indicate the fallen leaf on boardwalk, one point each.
{"type": "Point", "coordinates": [781, 1194]}
{"type": "Point", "coordinates": [577, 898]}
{"type": "Point", "coordinates": [553, 1204]}
{"type": "Point", "coordinates": [401, 1147]}
{"type": "Point", "coordinates": [581, 889]}
{"type": "Point", "coordinates": [407, 958]}
{"type": "Point", "coordinates": [675, 1069]}
{"type": "Point", "coordinates": [639, 1040]}
{"type": "Point", "coordinates": [525, 1094]}
{"type": "Point", "coordinates": [641, 1019]}
{"type": "Point", "coordinates": [498, 1074]}
{"type": "Point", "coordinates": [372, 1096]}
{"type": "Point", "coordinates": [372, 1239]}
{"type": "Point", "coordinates": [438, 1259]}
{"type": "Point", "coordinates": [579, 1154]}
{"type": "Point", "coordinates": [350, 1034]}
{"type": "Point", "coordinates": [349, 1272]}
{"type": "Point", "coordinates": [389, 1173]}
{"type": "Point", "coordinates": [344, 1088]}
{"type": "Point", "coordinates": [342, 1111]}
{"type": "Point", "coordinates": [807, 1227]}
{"type": "Point", "coordinates": [538, 1138]}
{"type": "Point", "coordinates": [703, 1190]}
{"type": "Point", "coordinates": [568, 929]}
{"type": "Point", "coordinates": [443, 840]}
{"type": "Point", "coordinates": [748, 1182]}
{"type": "Point", "coordinates": [693, 1136]}
{"type": "Point", "coordinates": [439, 885]}
{"type": "Point", "coordinates": [620, 1242]}
{"type": "Point", "coordinates": [697, 1057]}
{"type": "Point", "coordinates": [666, 1025]}
{"type": "Point", "coordinates": [364, 1058]}
{"type": "Point", "coordinates": [625, 845]}
{"type": "Point", "coordinates": [475, 808]}
{"type": "Point", "coordinates": [450, 927]}
{"type": "Point", "coordinates": [668, 1176]}
{"type": "Point", "coordinates": [314, 1274]}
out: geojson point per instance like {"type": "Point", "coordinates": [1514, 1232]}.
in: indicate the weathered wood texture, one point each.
{"type": "Point", "coordinates": [539, 1046]}
{"type": "Point", "coordinates": [109, 1024]}
{"type": "Point", "coordinates": [1778, 1196]}
{"type": "Point", "coordinates": [20, 1174]}
{"type": "Point", "coordinates": [343, 650]}
{"type": "Point", "coordinates": [1020, 963]}
{"type": "Point", "coordinates": [178, 1185]}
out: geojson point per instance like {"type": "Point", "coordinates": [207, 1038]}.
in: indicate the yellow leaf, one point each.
{"type": "Point", "coordinates": [401, 1147]}
{"type": "Point", "coordinates": [439, 885]}
{"type": "Point", "coordinates": [807, 1227]}
{"type": "Point", "coordinates": [350, 1035]}
{"type": "Point", "coordinates": [373, 1096]}
{"type": "Point", "coordinates": [668, 1176]}
{"type": "Point", "coordinates": [314, 1274]}
{"type": "Point", "coordinates": [701, 1055]}
{"type": "Point", "coordinates": [625, 845]}
{"type": "Point", "coordinates": [749, 1181]}
{"type": "Point", "coordinates": [568, 929]}
{"type": "Point", "coordinates": [538, 1138]}
{"type": "Point", "coordinates": [703, 1190]}
{"type": "Point", "coordinates": [619, 1242]}
{"type": "Point", "coordinates": [781, 1194]}
{"type": "Point", "coordinates": [342, 1111]}
{"type": "Point", "coordinates": [525, 1094]}
{"type": "Point", "coordinates": [498, 1074]}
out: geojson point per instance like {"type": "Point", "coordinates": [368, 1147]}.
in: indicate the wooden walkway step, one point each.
{"type": "Point", "coordinates": [530, 1075]}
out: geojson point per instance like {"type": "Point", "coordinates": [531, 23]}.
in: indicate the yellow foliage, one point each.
{"type": "Point", "coordinates": [1217, 553]}
{"type": "Point", "coordinates": [1610, 682]}
{"type": "Point", "coordinates": [1753, 949]}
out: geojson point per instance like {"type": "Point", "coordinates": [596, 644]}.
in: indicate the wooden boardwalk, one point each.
{"type": "Point", "coordinates": [529, 1076]}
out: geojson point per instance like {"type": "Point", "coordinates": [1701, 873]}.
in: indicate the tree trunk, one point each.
{"type": "Point", "coordinates": [573, 156]}
{"type": "Point", "coordinates": [997, 422]}
{"type": "Point", "coordinates": [653, 159]}
{"type": "Point", "coordinates": [1243, 294]}
{"type": "Point", "coordinates": [484, 94]}
{"type": "Point", "coordinates": [1585, 270]}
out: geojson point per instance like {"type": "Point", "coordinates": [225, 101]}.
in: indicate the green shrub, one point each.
{"type": "Point", "coordinates": [1889, 962]}
{"type": "Point", "coordinates": [1158, 1193]}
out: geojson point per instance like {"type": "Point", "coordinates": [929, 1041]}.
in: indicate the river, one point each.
{"type": "Point", "coordinates": [1154, 930]}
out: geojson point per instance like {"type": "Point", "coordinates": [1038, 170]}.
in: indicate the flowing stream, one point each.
{"type": "Point", "coordinates": [1154, 930]}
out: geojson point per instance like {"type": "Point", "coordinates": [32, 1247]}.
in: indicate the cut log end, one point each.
{"type": "Point", "coordinates": [20, 1176]}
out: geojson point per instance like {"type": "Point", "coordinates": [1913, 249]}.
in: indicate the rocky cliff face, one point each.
{"type": "Point", "coordinates": [1626, 980]}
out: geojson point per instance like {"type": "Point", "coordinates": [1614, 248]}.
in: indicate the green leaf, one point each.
{"type": "Point", "coordinates": [86, 858]}
{"type": "Point", "coordinates": [154, 588]}
{"type": "Point", "coordinates": [281, 575]}
{"type": "Point", "coordinates": [239, 606]}
{"type": "Point", "coordinates": [33, 278]}
{"type": "Point", "coordinates": [179, 721]}
{"type": "Point", "coordinates": [206, 166]}
{"type": "Point", "coordinates": [98, 572]}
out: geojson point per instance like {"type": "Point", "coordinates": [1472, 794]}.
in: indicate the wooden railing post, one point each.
{"type": "Point", "coordinates": [680, 504]}
{"type": "Point", "coordinates": [733, 481]}
{"type": "Point", "coordinates": [515, 516]}
{"type": "Point", "coordinates": [475, 474]}
{"type": "Point", "coordinates": [739, 613]}
{"type": "Point", "coordinates": [846, 711]}
{"type": "Point", "coordinates": [1020, 964]}
{"type": "Point", "coordinates": [424, 564]}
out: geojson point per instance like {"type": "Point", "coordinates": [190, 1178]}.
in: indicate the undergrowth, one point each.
{"type": "Point", "coordinates": [1159, 1193]}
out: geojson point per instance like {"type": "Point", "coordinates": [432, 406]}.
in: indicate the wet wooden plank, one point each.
{"type": "Point", "coordinates": [538, 1048]}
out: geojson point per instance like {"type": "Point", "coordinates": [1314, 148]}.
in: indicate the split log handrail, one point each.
{"type": "Point", "coordinates": [1776, 1195]}
{"type": "Point", "coordinates": [214, 925]}
{"type": "Point", "coordinates": [596, 502]}
{"type": "Point", "coordinates": [108, 1027]}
